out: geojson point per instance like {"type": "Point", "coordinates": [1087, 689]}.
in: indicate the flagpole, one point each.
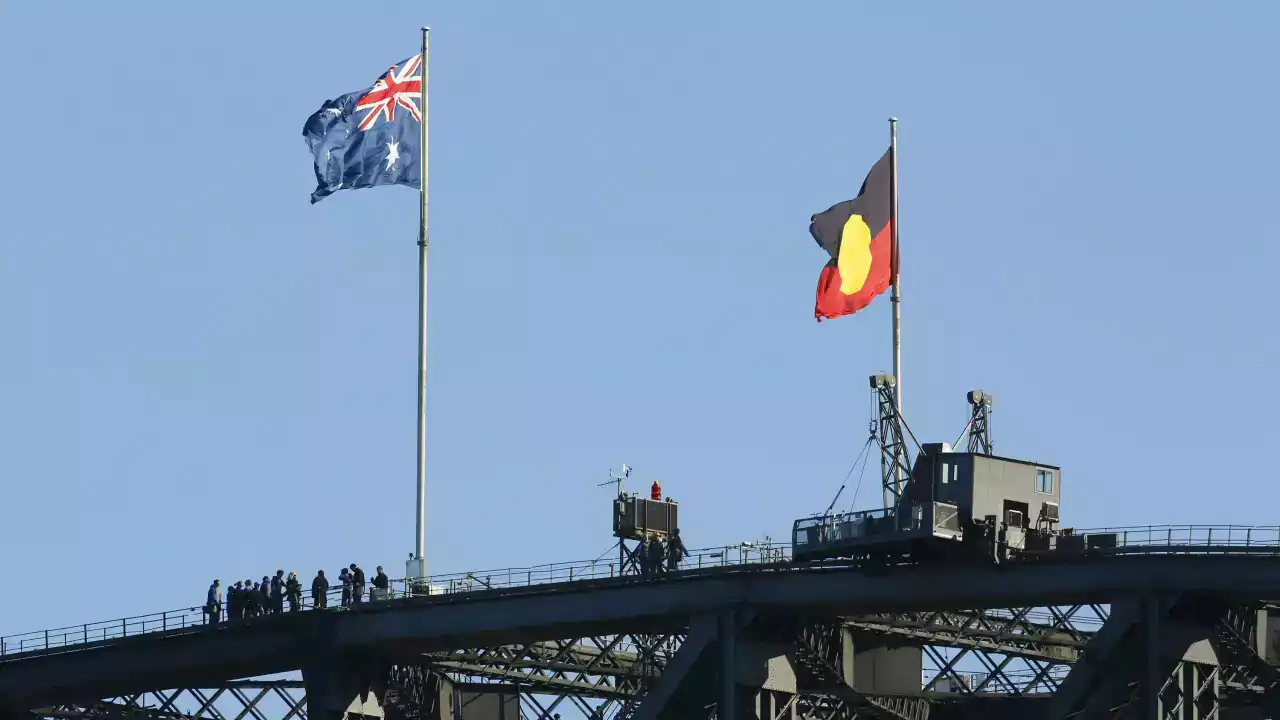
{"type": "Point", "coordinates": [417, 566]}
{"type": "Point", "coordinates": [895, 296]}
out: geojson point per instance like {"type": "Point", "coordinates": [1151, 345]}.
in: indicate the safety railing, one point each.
{"type": "Point", "coordinates": [1191, 539]}
{"type": "Point", "coordinates": [445, 584]}
{"type": "Point", "coordinates": [1182, 539]}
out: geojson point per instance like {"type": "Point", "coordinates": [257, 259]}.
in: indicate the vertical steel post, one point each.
{"type": "Point", "coordinates": [418, 564]}
{"type": "Point", "coordinates": [727, 707]}
{"type": "Point", "coordinates": [895, 296]}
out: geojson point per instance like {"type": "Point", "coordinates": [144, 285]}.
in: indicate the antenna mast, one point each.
{"type": "Point", "coordinates": [893, 444]}
{"type": "Point", "coordinates": [980, 422]}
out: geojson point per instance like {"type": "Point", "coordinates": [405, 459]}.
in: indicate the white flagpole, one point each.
{"type": "Point", "coordinates": [417, 566]}
{"type": "Point", "coordinates": [895, 296]}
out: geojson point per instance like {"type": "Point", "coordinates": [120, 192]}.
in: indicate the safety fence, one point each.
{"type": "Point", "coordinates": [334, 600]}
{"type": "Point", "coordinates": [1152, 539]}
{"type": "Point", "coordinates": [1189, 539]}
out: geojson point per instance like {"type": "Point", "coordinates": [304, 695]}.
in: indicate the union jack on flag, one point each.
{"type": "Point", "coordinates": [372, 136]}
{"type": "Point", "coordinates": [401, 86]}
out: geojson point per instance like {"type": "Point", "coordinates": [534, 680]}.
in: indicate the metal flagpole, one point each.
{"type": "Point", "coordinates": [417, 566]}
{"type": "Point", "coordinates": [895, 296]}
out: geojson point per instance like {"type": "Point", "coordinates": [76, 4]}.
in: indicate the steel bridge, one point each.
{"type": "Point", "coordinates": [1173, 622]}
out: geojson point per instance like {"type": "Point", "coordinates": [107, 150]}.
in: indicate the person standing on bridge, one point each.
{"type": "Point", "coordinates": [234, 599]}
{"type": "Point", "coordinates": [213, 603]}
{"type": "Point", "coordinates": [345, 578]}
{"type": "Point", "coordinates": [381, 585]}
{"type": "Point", "coordinates": [676, 551]}
{"type": "Point", "coordinates": [293, 591]}
{"type": "Point", "coordinates": [253, 608]}
{"type": "Point", "coordinates": [642, 555]}
{"type": "Point", "coordinates": [266, 595]}
{"type": "Point", "coordinates": [357, 584]}
{"type": "Point", "coordinates": [657, 555]}
{"type": "Point", "coordinates": [319, 591]}
{"type": "Point", "coordinates": [277, 592]}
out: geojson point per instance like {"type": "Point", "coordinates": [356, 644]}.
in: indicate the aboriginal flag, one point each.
{"type": "Point", "coordinates": [858, 235]}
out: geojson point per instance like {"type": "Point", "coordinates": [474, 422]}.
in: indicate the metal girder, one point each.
{"type": "Point", "coordinates": [1192, 691]}
{"type": "Point", "coordinates": [982, 655]}
{"type": "Point", "coordinates": [1238, 635]}
{"type": "Point", "coordinates": [610, 666]}
{"type": "Point", "coordinates": [818, 652]}
{"type": "Point", "coordinates": [1171, 657]}
{"type": "Point", "coordinates": [618, 667]}
{"type": "Point", "coordinates": [237, 700]}
{"type": "Point", "coordinates": [424, 624]}
{"type": "Point", "coordinates": [1014, 632]}
{"type": "Point", "coordinates": [613, 667]}
{"type": "Point", "coordinates": [652, 699]}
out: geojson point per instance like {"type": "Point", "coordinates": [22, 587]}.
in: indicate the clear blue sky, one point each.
{"type": "Point", "coordinates": [205, 376]}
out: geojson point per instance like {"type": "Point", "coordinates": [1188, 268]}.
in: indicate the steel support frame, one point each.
{"type": "Point", "coordinates": [1167, 657]}
{"type": "Point", "coordinates": [980, 423]}
{"type": "Point", "coordinates": [820, 651]}
{"type": "Point", "coordinates": [1023, 651]}
{"type": "Point", "coordinates": [602, 673]}
{"type": "Point", "coordinates": [895, 465]}
{"type": "Point", "coordinates": [237, 700]}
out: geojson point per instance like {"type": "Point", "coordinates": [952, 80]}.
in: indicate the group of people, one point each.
{"type": "Point", "coordinates": [248, 599]}
{"type": "Point", "coordinates": [659, 554]}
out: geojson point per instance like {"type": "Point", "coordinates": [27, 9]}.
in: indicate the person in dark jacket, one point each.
{"type": "Point", "coordinates": [246, 599]}
{"type": "Point", "coordinates": [676, 551]}
{"type": "Point", "coordinates": [657, 554]}
{"type": "Point", "coordinates": [381, 585]}
{"type": "Point", "coordinates": [277, 592]}
{"type": "Point", "coordinates": [319, 591]}
{"type": "Point", "coordinates": [253, 597]}
{"type": "Point", "coordinates": [642, 555]}
{"type": "Point", "coordinates": [266, 594]}
{"type": "Point", "coordinates": [345, 578]}
{"type": "Point", "coordinates": [357, 584]}
{"type": "Point", "coordinates": [293, 591]}
{"type": "Point", "coordinates": [234, 598]}
{"type": "Point", "coordinates": [213, 603]}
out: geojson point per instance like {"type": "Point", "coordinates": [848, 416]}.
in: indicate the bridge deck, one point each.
{"type": "Point", "coordinates": [1143, 540]}
{"type": "Point", "coordinates": [409, 626]}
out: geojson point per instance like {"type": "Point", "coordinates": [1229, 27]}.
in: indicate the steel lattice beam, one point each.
{"type": "Point", "coordinates": [988, 654]}
{"type": "Point", "coordinates": [237, 700]}
{"type": "Point", "coordinates": [1037, 642]}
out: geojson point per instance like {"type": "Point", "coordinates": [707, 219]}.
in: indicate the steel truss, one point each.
{"type": "Point", "coordinates": [1022, 652]}
{"type": "Point", "coordinates": [236, 700]}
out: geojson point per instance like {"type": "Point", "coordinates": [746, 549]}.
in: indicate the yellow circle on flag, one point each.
{"type": "Point", "coordinates": [855, 255]}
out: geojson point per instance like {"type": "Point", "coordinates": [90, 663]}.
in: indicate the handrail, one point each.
{"type": "Point", "coordinates": [1153, 539]}
{"type": "Point", "coordinates": [444, 584]}
{"type": "Point", "coordinates": [1206, 536]}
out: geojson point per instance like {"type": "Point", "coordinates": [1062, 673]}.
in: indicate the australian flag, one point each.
{"type": "Point", "coordinates": [369, 137]}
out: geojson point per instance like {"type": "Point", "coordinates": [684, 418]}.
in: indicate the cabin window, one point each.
{"type": "Point", "coordinates": [1044, 481]}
